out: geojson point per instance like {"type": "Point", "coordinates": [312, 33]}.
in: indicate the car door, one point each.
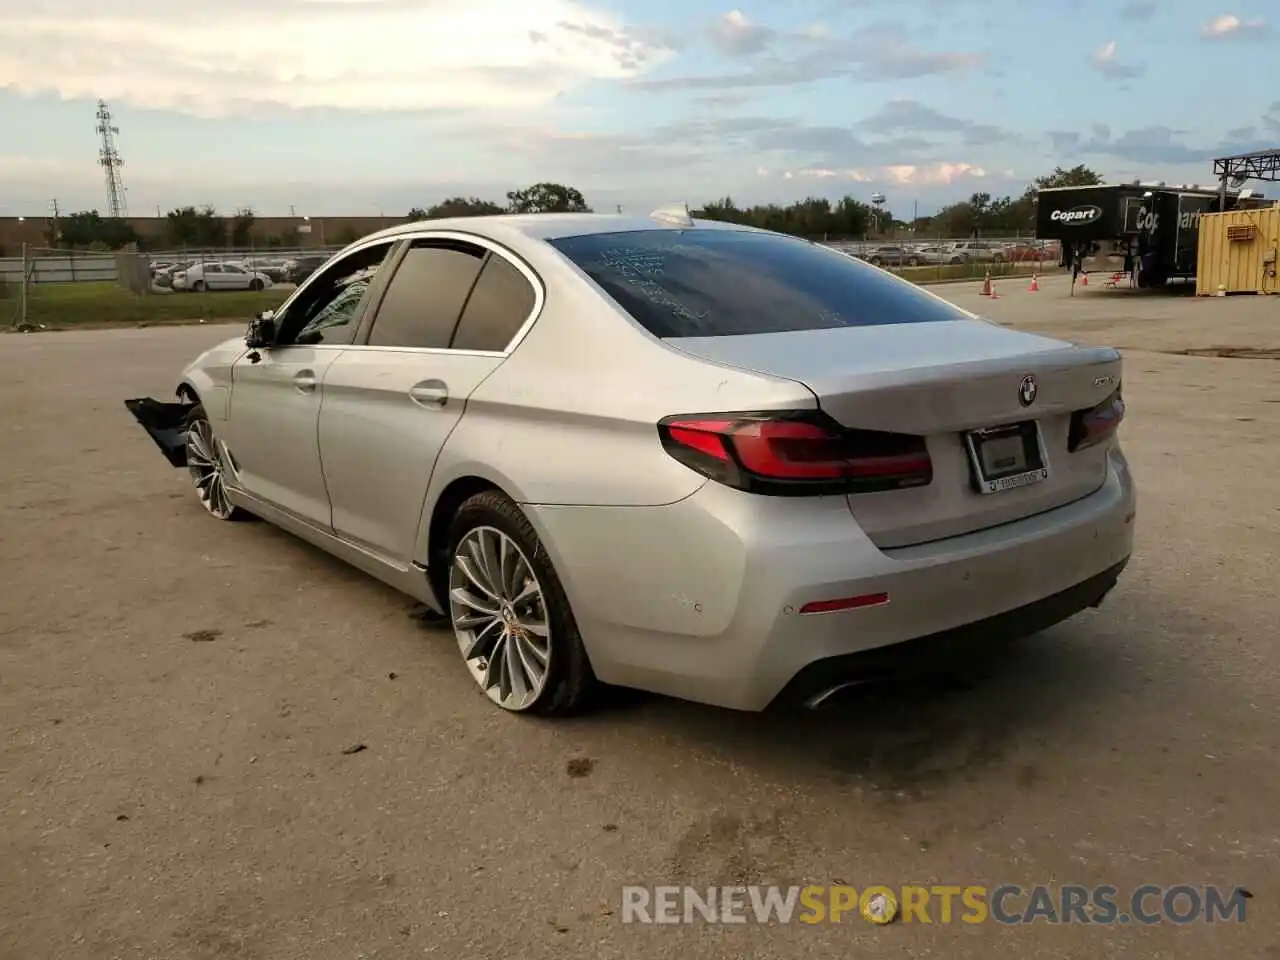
{"type": "Point", "coordinates": [452, 309]}
{"type": "Point", "coordinates": [234, 278]}
{"type": "Point", "coordinates": [276, 392]}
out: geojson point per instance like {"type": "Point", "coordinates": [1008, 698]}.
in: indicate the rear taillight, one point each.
{"type": "Point", "coordinates": [794, 454]}
{"type": "Point", "coordinates": [1093, 426]}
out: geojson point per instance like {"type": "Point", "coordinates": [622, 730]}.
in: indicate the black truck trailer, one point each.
{"type": "Point", "coordinates": [1156, 225]}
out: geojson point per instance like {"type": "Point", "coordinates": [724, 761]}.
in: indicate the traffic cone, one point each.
{"type": "Point", "coordinates": [993, 295]}
{"type": "Point", "coordinates": [986, 285]}
{"type": "Point", "coordinates": [1035, 284]}
{"type": "Point", "coordinates": [1084, 279]}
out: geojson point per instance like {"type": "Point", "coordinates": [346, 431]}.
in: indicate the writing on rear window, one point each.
{"type": "Point", "coordinates": [715, 282]}
{"type": "Point", "coordinates": [642, 272]}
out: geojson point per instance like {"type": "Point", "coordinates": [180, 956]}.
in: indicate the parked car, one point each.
{"type": "Point", "coordinates": [275, 268]}
{"type": "Point", "coordinates": [939, 255]}
{"type": "Point", "coordinates": [299, 269]}
{"type": "Point", "coordinates": [892, 256]}
{"type": "Point", "coordinates": [716, 463]}
{"type": "Point", "coordinates": [210, 275]}
{"type": "Point", "coordinates": [164, 276]}
{"type": "Point", "coordinates": [982, 251]}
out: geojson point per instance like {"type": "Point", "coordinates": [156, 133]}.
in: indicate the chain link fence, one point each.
{"type": "Point", "coordinates": [50, 286]}
{"type": "Point", "coordinates": [58, 288]}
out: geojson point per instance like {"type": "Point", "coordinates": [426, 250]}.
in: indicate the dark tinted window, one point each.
{"type": "Point", "coordinates": [500, 304]}
{"type": "Point", "coordinates": [425, 296]}
{"type": "Point", "coordinates": [716, 283]}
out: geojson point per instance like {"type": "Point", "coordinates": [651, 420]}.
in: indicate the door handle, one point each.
{"type": "Point", "coordinates": [304, 381]}
{"type": "Point", "coordinates": [429, 393]}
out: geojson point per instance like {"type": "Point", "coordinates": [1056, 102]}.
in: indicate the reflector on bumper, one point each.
{"type": "Point", "coordinates": [165, 424]}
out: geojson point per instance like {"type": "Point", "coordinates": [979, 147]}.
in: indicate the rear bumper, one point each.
{"type": "Point", "coordinates": [948, 647]}
{"type": "Point", "coordinates": [165, 424]}
{"type": "Point", "coordinates": [700, 599]}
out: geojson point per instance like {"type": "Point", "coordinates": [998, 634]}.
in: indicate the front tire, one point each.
{"type": "Point", "coordinates": [512, 620]}
{"type": "Point", "coordinates": [205, 464]}
{"type": "Point", "coordinates": [198, 287]}
{"type": "Point", "coordinates": [255, 285]}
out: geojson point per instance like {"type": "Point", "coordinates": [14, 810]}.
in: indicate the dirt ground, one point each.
{"type": "Point", "coordinates": [179, 697]}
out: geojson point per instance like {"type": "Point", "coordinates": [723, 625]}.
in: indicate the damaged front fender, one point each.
{"type": "Point", "coordinates": [166, 424]}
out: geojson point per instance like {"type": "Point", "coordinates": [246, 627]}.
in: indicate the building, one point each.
{"type": "Point", "coordinates": [310, 232]}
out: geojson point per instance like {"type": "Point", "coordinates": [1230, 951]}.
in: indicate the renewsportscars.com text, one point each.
{"type": "Point", "coordinates": [1005, 904]}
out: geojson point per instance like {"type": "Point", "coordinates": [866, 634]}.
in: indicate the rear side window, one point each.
{"type": "Point", "coordinates": [426, 295]}
{"type": "Point", "coordinates": [500, 304]}
{"type": "Point", "coordinates": [722, 283]}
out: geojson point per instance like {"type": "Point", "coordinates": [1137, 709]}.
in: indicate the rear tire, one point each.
{"type": "Point", "coordinates": [509, 612]}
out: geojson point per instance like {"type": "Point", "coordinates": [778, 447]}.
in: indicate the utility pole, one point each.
{"type": "Point", "coordinates": [54, 224]}
{"type": "Point", "coordinates": [109, 160]}
{"type": "Point", "coordinates": [292, 211]}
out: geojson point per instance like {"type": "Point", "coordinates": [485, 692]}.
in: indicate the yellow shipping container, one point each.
{"type": "Point", "coordinates": [1238, 251]}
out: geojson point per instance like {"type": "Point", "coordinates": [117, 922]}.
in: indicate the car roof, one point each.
{"type": "Point", "coordinates": [549, 226]}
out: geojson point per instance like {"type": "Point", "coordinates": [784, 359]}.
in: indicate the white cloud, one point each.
{"type": "Point", "coordinates": [902, 175]}
{"type": "Point", "coordinates": [1104, 61]}
{"type": "Point", "coordinates": [736, 36]}
{"type": "Point", "coordinates": [1229, 25]}
{"type": "Point", "coordinates": [225, 58]}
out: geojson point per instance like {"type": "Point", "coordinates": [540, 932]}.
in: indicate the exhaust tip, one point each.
{"type": "Point", "coordinates": [818, 699]}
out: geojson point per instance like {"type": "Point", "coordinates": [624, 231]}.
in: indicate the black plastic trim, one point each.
{"type": "Point", "coordinates": [936, 652]}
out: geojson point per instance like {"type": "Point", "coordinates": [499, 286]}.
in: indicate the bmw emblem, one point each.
{"type": "Point", "coordinates": [1027, 390]}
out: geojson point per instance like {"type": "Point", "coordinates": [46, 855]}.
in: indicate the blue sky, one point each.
{"type": "Point", "coordinates": [374, 106]}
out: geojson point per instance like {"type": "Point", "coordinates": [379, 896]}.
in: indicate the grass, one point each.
{"type": "Point", "coordinates": [974, 271]}
{"type": "Point", "coordinates": [81, 305]}
{"type": "Point", "coordinates": [62, 305]}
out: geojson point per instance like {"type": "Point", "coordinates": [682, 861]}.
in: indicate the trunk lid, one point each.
{"type": "Point", "coordinates": [941, 380]}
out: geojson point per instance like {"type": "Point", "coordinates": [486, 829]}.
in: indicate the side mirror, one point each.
{"type": "Point", "coordinates": [262, 331]}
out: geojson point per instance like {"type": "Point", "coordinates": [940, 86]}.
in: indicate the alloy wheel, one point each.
{"type": "Point", "coordinates": [500, 618]}
{"type": "Point", "coordinates": [205, 467]}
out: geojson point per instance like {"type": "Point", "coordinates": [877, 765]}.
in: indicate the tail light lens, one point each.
{"type": "Point", "coordinates": [794, 454]}
{"type": "Point", "coordinates": [1093, 426]}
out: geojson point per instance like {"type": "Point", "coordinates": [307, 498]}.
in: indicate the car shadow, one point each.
{"type": "Point", "coordinates": [909, 736]}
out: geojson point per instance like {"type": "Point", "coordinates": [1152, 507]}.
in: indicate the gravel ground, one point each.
{"type": "Point", "coordinates": [179, 700]}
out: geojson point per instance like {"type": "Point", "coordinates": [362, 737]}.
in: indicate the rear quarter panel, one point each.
{"type": "Point", "coordinates": [570, 418]}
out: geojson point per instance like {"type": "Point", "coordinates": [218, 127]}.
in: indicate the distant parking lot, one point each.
{"type": "Point", "coordinates": [182, 701]}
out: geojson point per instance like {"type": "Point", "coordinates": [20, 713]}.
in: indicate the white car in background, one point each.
{"type": "Point", "coordinates": [939, 255]}
{"type": "Point", "coordinates": [210, 275]}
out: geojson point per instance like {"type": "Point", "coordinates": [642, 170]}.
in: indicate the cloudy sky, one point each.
{"type": "Point", "coordinates": [368, 106]}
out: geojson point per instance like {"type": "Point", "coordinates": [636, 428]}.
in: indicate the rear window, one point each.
{"type": "Point", "coordinates": [724, 283]}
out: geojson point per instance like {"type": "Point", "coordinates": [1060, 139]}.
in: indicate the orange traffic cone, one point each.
{"type": "Point", "coordinates": [1084, 279]}
{"type": "Point", "coordinates": [1035, 284]}
{"type": "Point", "coordinates": [986, 285]}
{"type": "Point", "coordinates": [993, 294]}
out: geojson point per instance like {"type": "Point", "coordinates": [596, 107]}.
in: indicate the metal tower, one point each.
{"type": "Point", "coordinates": [110, 161]}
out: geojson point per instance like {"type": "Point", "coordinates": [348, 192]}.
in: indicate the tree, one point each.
{"type": "Point", "coordinates": [1077, 176]}
{"type": "Point", "coordinates": [189, 227]}
{"type": "Point", "coordinates": [242, 228]}
{"type": "Point", "coordinates": [547, 198]}
{"type": "Point", "coordinates": [463, 207]}
{"type": "Point", "coordinates": [88, 228]}
{"type": "Point", "coordinates": [417, 213]}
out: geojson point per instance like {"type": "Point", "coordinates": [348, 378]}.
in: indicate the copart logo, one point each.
{"type": "Point", "coordinates": [1077, 216]}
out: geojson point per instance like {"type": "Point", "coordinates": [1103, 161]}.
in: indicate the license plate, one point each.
{"type": "Point", "coordinates": [1005, 458]}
